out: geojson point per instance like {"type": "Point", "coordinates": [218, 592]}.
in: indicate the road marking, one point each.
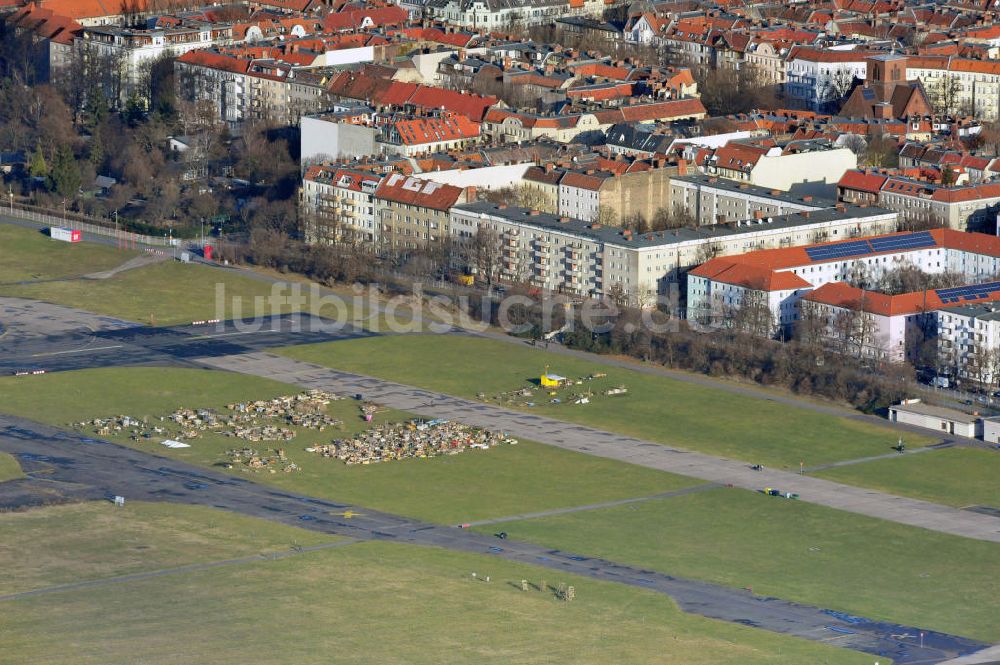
{"type": "Point", "coordinates": [59, 353]}
{"type": "Point", "coordinates": [240, 332]}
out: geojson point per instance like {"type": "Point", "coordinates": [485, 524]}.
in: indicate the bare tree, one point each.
{"type": "Point", "coordinates": [945, 95]}
{"type": "Point", "coordinates": [834, 87]}
{"type": "Point", "coordinates": [606, 216]}
{"type": "Point", "coordinates": [810, 329]}
{"type": "Point", "coordinates": [486, 255]}
{"type": "Point", "coordinates": [752, 315]}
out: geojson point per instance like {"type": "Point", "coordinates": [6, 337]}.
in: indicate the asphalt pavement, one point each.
{"type": "Point", "coordinates": [70, 466]}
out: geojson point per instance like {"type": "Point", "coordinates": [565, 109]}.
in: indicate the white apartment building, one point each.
{"type": "Point", "coordinates": [969, 337]}
{"type": "Point", "coordinates": [334, 199]}
{"type": "Point", "coordinates": [812, 75]}
{"type": "Point", "coordinates": [959, 85]}
{"type": "Point", "coordinates": [499, 15]}
{"type": "Point", "coordinates": [837, 280]}
{"type": "Point", "coordinates": [710, 200]}
{"type": "Point", "coordinates": [133, 51]}
{"type": "Point", "coordinates": [570, 255]}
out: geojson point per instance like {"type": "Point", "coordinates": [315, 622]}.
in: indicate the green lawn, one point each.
{"type": "Point", "coordinates": [9, 468]}
{"type": "Point", "coordinates": [657, 408]}
{"type": "Point", "coordinates": [29, 254]}
{"type": "Point", "coordinates": [952, 476]}
{"type": "Point", "coordinates": [163, 293]}
{"type": "Point", "coordinates": [795, 551]}
{"type": "Point", "coordinates": [508, 480]}
{"type": "Point", "coordinates": [61, 544]}
{"type": "Point", "coordinates": [379, 603]}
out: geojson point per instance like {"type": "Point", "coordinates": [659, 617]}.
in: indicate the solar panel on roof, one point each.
{"type": "Point", "coordinates": [908, 241]}
{"type": "Point", "coordinates": [826, 252]}
{"type": "Point", "coordinates": [972, 292]}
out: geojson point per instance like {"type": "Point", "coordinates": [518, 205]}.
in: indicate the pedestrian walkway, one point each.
{"type": "Point", "coordinates": [579, 438]}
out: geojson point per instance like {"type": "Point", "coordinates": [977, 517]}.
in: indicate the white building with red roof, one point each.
{"type": "Point", "coordinates": [336, 199]}
{"type": "Point", "coordinates": [833, 285]}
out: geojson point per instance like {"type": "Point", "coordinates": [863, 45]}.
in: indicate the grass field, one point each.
{"type": "Point", "coordinates": [371, 603]}
{"type": "Point", "coordinates": [29, 254]}
{"type": "Point", "coordinates": [657, 408]}
{"type": "Point", "coordinates": [71, 543]}
{"type": "Point", "coordinates": [952, 476]}
{"type": "Point", "coordinates": [795, 551]}
{"type": "Point", "coordinates": [508, 480]}
{"type": "Point", "coordinates": [9, 468]}
{"type": "Point", "coordinates": [164, 293]}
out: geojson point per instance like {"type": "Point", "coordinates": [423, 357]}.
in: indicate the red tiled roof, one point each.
{"type": "Point", "coordinates": [865, 182]}
{"type": "Point", "coordinates": [368, 17]}
{"type": "Point", "coordinates": [757, 277]}
{"type": "Point", "coordinates": [449, 127]}
{"type": "Point", "coordinates": [843, 295]}
{"type": "Point", "coordinates": [421, 193]}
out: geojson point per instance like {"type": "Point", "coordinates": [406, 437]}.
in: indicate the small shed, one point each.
{"type": "Point", "coordinates": [550, 380]}
{"type": "Point", "coordinates": [991, 430]}
{"type": "Point", "coordinates": [937, 418]}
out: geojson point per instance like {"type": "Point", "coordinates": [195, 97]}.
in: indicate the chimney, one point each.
{"type": "Point", "coordinates": [758, 214]}
{"type": "Point", "coordinates": [805, 213]}
{"type": "Point", "coordinates": [841, 207]}
{"type": "Point", "coordinates": [807, 198]}
{"type": "Point", "coordinates": [682, 166]}
{"type": "Point", "coordinates": [775, 192]}
{"type": "Point", "coordinates": [533, 213]}
{"type": "Point", "coordinates": [470, 193]}
{"type": "Point", "coordinates": [501, 206]}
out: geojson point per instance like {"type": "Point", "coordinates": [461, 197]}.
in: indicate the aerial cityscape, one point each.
{"type": "Point", "coordinates": [500, 331]}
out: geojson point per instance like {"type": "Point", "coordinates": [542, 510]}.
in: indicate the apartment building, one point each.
{"type": "Point", "coordinates": [712, 200]}
{"type": "Point", "coordinates": [132, 51]}
{"type": "Point", "coordinates": [813, 166]}
{"type": "Point", "coordinates": [411, 212]}
{"type": "Point", "coordinates": [570, 255]}
{"type": "Point", "coordinates": [238, 88]}
{"type": "Point", "coordinates": [923, 202]}
{"type": "Point", "coordinates": [816, 78]}
{"type": "Point", "coordinates": [957, 85]}
{"type": "Point", "coordinates": [836, 282]}
{"type": "Point", "coordinates": [335, 201]}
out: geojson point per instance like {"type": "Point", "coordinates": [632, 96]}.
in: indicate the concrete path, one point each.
{"type": "Point", "coordinates": [989, 656]}
{"type": "Point", "coordinates": [140, 261]}
{"type": "Point", "coordinates": [601, 443]}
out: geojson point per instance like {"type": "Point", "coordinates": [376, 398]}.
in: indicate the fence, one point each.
{"type": "Point", "coordinates": [87, 224]}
